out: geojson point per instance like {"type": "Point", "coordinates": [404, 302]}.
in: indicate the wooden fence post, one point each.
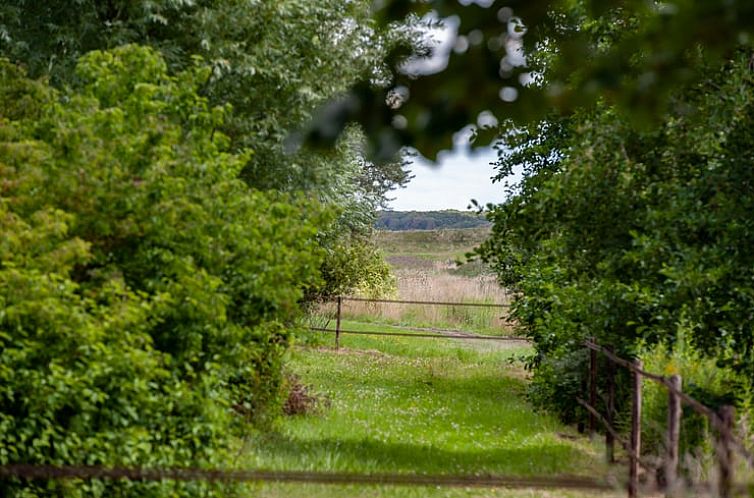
{"type": "Point", "coordinates": [725, 452]}
{"type": "Point", "coordinates": [580, 425]}
{"type": "Point", "coordinates": [633, 468]}
{"type": "Point", "coordinates": [592, 389]}
{"type": "Point", "coordinates": [672, 438]}
{"type": "Point", "coordinates": [609, 439]}
{"type": "Point", "coordinates": [337, 325]}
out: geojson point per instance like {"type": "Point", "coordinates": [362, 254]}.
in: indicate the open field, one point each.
{"type": "Point", "coordinates": [425, 264]}
{"type": "Point", "coordinates": [417, 406]}
{"type": "Point", "coordinates": [431, 244]}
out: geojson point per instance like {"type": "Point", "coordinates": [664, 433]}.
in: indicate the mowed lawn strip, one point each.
{"type": "Point", "coordinates": [425, 406]}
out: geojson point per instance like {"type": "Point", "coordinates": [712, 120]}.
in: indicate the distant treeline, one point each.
{"type": "Point", "coordinates": [428, 220]}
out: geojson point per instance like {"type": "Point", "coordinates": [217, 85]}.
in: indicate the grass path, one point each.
{"type": "Point", "coordinates": [416, 406]}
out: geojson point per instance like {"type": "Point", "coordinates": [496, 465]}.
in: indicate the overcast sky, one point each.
{"type": "Point", "coordinates": [459, 177]}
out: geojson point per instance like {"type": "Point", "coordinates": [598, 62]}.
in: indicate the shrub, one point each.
{"type": "Point", "coordinates": [702, 378]}
{"type": "Point", "coordinates": [354, 264]}
{"type": "Point", "coordinates": [144, 289]}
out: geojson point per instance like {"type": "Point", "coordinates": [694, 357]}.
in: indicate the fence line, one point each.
{"type": "Point", "coordinates": [339, 307]}
{"type": "Point", "coordinates": [423, 335]}
{"type": "Point", "coordinates": [46, 472]}
{"type": "Point", "coordinates": [714, 418]}
{"type": "Point", "coordinates": [722, 422]}
{"type": "Point", "coordinates": [435, 303]}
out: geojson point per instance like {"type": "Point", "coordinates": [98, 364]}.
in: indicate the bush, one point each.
{"type": "Point", "coordinates": [354, 264]}
{"type": "Point", "coordinates": [702, 379]}
{"type": "Point", "coordinates": [621, 233]}
{"type": "Point", "coordinates": [144, 289]}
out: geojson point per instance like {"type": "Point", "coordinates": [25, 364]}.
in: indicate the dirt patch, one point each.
{"type": "Point", "coordinates": [346, 351]}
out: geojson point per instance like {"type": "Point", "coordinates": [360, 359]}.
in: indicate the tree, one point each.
{"type": "Point", "coordinates": [273, 62]}
{"type": "Point", "coordinates": [412, 220]}
{"type": "Point", "coordinates": [635, 237]}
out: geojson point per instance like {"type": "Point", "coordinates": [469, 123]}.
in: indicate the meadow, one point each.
{"type": "Point", "coordinates": [430, 265]}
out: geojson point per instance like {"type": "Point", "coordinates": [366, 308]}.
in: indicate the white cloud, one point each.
{"type": "Point", "coordinates": [459, 176]}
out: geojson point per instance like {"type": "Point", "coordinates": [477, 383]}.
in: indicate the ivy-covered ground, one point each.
{"type": "Point", "coordinates": [417, 406]}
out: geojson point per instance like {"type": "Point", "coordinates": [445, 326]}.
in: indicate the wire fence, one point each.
{"type": "Point", "coordinates": [47, 472]}
{"type": "Point", "coordinates": [416, 332]}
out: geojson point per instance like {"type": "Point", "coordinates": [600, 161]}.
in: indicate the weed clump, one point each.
{"type": "Point", "coordinates": [300, 399]}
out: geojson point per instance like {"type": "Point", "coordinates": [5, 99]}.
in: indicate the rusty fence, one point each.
{"type": "Point", "coordinates": [415, 332]}
{"type": "Point", "coordinates": [727, 443]}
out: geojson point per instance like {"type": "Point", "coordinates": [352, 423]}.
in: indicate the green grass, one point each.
{"type": "Point", "coordinates": [414, 405]}
{"type": "Point", "coordinates": [410, 405]}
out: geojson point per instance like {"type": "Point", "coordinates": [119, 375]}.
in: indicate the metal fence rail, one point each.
{"type": "Point", "coordinates": [435, 303]}
{"type": "Point", "coordinates": [423, 335]}
{"type": "Point", "coordinates": [727, 442]}
{"type": "Point", "coordinates": [339, 312]}
{"type": "Point", "coordinates": [46, 472]}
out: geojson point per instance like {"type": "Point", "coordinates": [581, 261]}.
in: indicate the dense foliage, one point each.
{"type": "Point", "coordinates": [146, 292]}
{"type": "Point", "coordinates": [273, 62]}
{"type": "Point", "coordinates": [636, 237]}
{"type": "Point", "coordinates": [429, 220]}
{"type": "Point", "coordinates": [161, 224]}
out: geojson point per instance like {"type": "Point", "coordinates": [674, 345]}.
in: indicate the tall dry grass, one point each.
{"type": "Point", "coordinates": [417, 285]}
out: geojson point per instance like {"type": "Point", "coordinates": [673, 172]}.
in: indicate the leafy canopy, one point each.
{"type": "Point", "coordinates": [273, 62]}
{"type": "Point", "coordinates": [633, 54]}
